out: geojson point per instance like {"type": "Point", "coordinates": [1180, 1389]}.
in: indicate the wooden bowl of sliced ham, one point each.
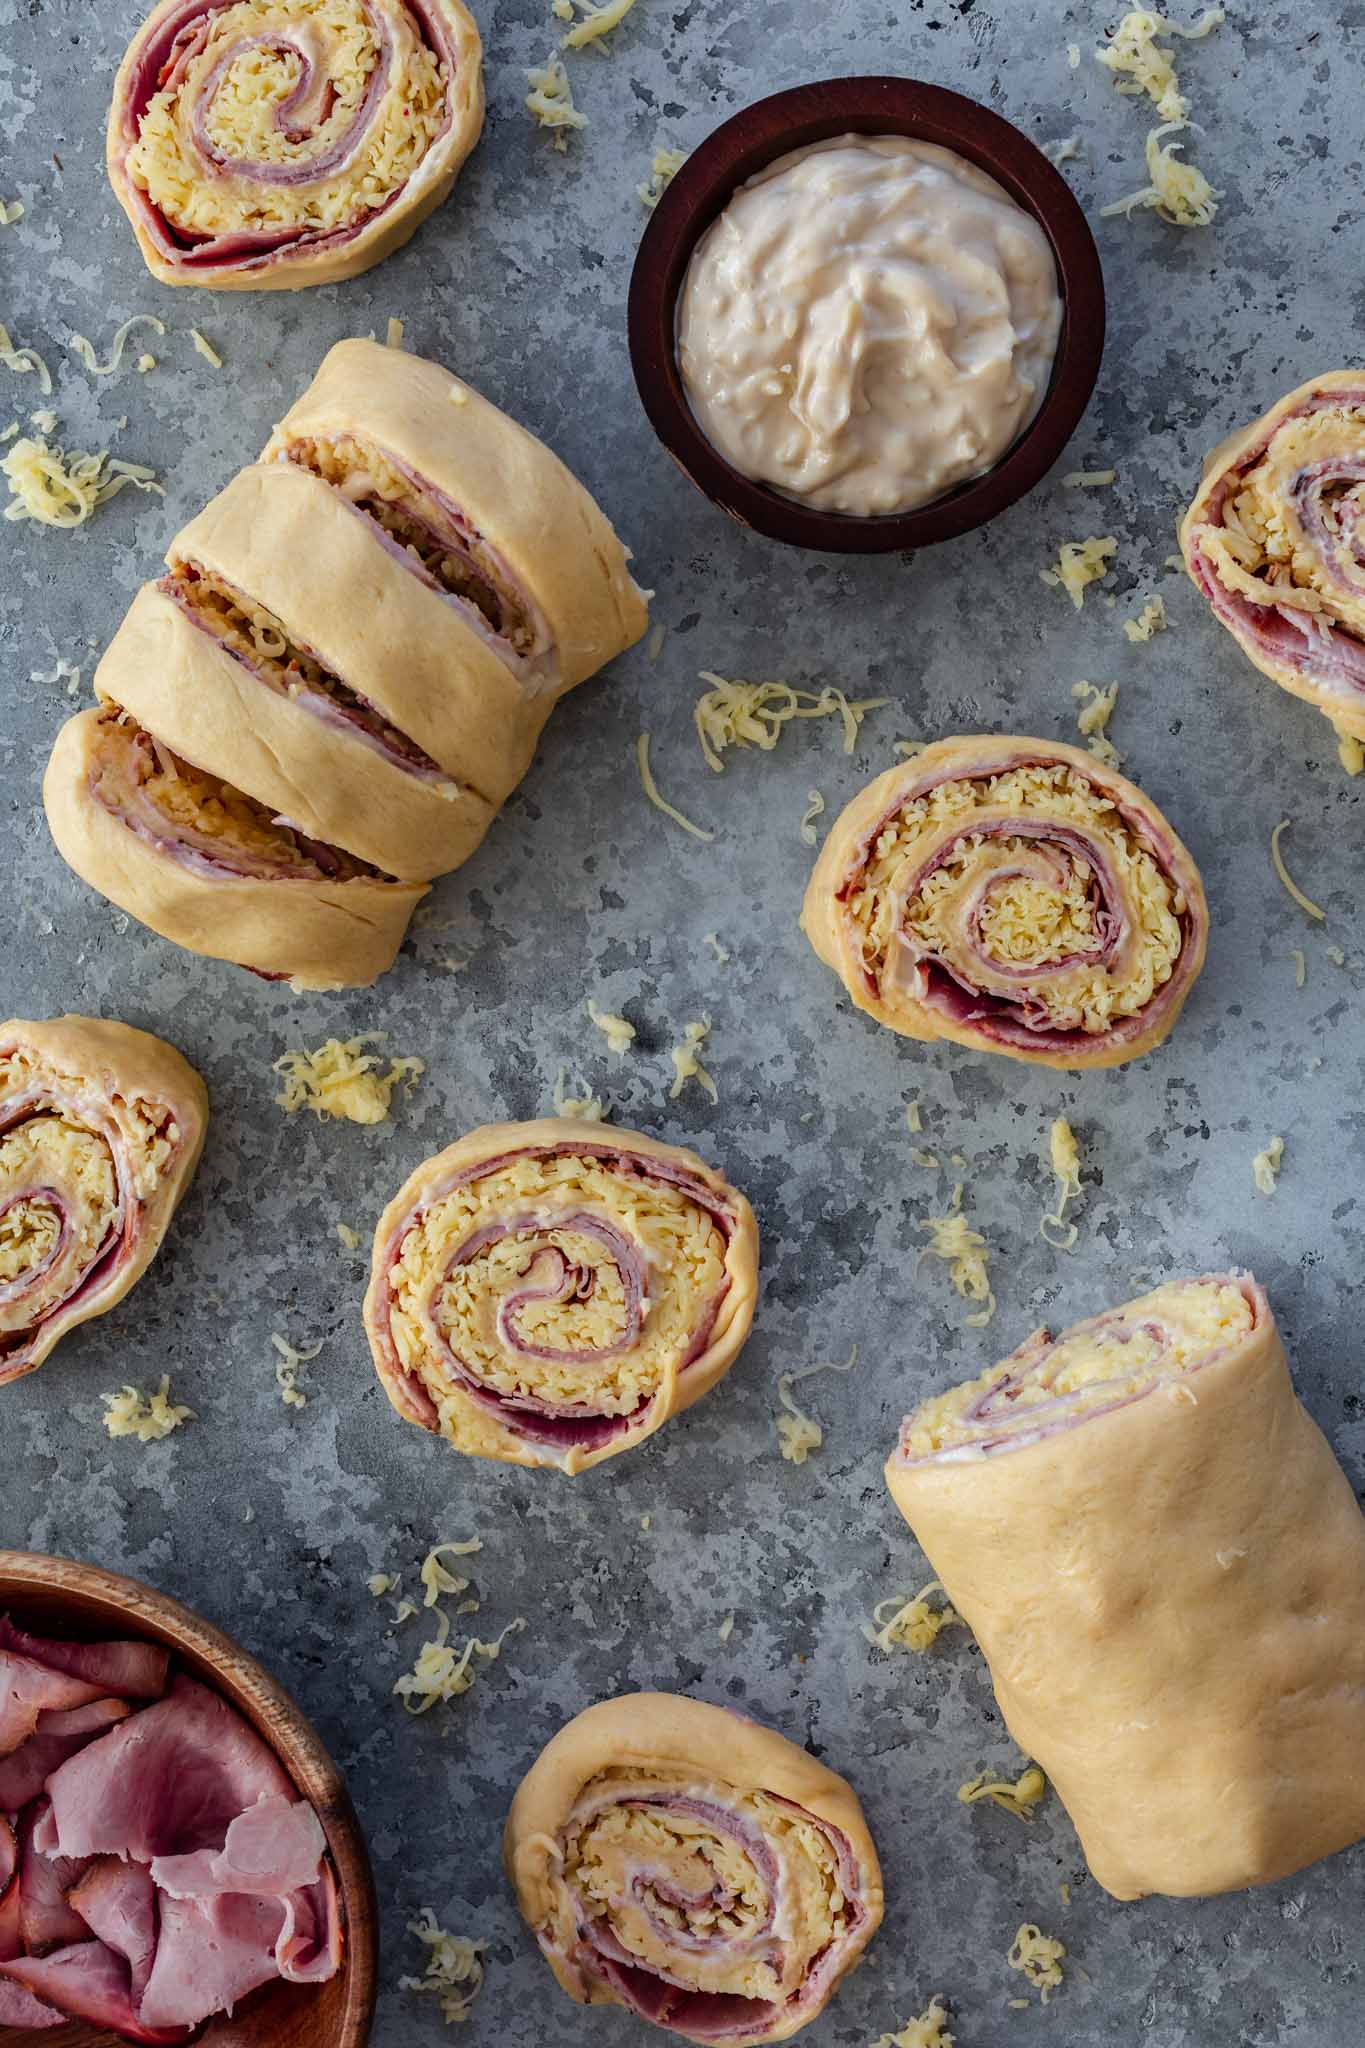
{"type": "Point", "coordinates": [179, 1857]}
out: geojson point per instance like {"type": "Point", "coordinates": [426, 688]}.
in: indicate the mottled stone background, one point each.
{"type": "Point", "coordinates": [269, 1520]}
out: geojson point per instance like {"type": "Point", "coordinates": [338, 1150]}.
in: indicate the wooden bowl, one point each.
{"type": "Point", "coordinates": [745, 145]}
{"type": "Point", "coordinates": [61, 1597]}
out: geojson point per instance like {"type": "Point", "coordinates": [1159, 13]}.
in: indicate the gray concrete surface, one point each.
{"type": "Point", "coordinates": [269, 1520]}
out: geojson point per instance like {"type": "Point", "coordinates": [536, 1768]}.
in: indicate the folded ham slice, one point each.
{"type": "Point", "coordinates": [45, 1918]}
{"type": "Point", "coordinates": [122, 1671]}
{"type": "Point", "coordinates": [27, 1690]}
{"type": "Point", "coordinates": [59, 1734]}
{"type": "Point", "coordinates": [118, 1903]}
{"type": "Point", "coordinates": [273, 1848]}
{"type": "Point", "coordinates": [89, 1982]}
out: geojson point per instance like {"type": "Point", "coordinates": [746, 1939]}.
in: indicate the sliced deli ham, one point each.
{"type": "Point", "coordinates": [211, 1953]}
{"type": "Point", "coordinates": [274, 1848]}
{"type": "Point", "coordinates": [60, 1733]}
{"type": "Point", "coordinates": [45, 1919]}
{"type": "Point", "coordinates": [19, 2008]}
{"type": "Point", "coordinates": [127, 1671]}
{"type": "Point", "coordinates": [26, 1690]}
{"type": "Point", "coordinates": [118, 1903]}
{"type": "Point", "coordinates": [87, 1981]}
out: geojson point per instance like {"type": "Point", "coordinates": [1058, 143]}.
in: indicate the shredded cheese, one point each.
{"type": "Point", "coordinates": [1350, 752]}
{"type": "Point", "coordinates": [588, 1106]}
{"type": "Point", "coordinates": [1336, 956]}
{"type": "Point", "coordinates": [339, 1080]}
{"type": "Point", "coordinates": [596, 22]}
{"type": "Point", "coordinates": [148, 1417]}
{"type": "Point", "coordinates": [929, 2030]}
{"type": "Point", "coordinates": [740, 714]}
{"type": "Point", "coordinates": [815, 804]}
{"type": "Point", "coordinates": [726, 1629]}
{"type": "Point", "coordinates": [443, 1672]}
{"type": "Point", "coordinates": [1305, 903]}
{"type": "Point", "coordinates": [11, 211]}
{"type": "Point", "coordinates": [908, 1622]}
{"type": "Point", "coordinates": [1265, 1167]}
{"type": "Point", "coordinates": [1300, 966]}
{"type": "Point", "coordinates": [1038, 1957]}
{"type": "Point", "coordinates": [1065, 1158]}
{"type": "Point", "coordinates": [1073, 56]}
{"type": "Point", "coordinates": [619, 1031]}
{"type": "Point", "coordinates": [654, 646]}
{"type": "Point", "coordinates": [928, 1160]}
{"type": "Point", "coordinates": [1177, 191]}
{"type": "Point", "coordinates": [393, 336]}
{"type": "Point", "coordinates": [205, 348]}
{"type": "Point", "coordinates": [798, 1434]}
{"type": "Point", "coordinates": [662, 171]}
{"type": "Point", "coordinates": [964, 1250]}
{"type": "Point", "coordinates": [550, 101]}
{"type": "Point", "coordinates": [287, 1368]}
{"type": "Point", "coordinates": [54, 488]}
{"type": "Point", "coordinates": [712, 940]}
{"type": "Point", "coordinates": [380, 1583]}
{"type": "Point", "coordinates": [651, 790]}
{"type": "Point", "coordinates": [436, 1580]}
{"type": "Point", "coordinates": [68, 677]}
{"type": "Point", "coordinates": [1018, 1797]}
{"type": "Point", "coordinates": [145, 362]}
{"type": "Point", "coordinates": [1079, 564]}
{"type": "Point", "coordinates": [81, 347]}
{"type": "Point", "coordinates": [21, 360]}
{"type": "Point", "coordinates": [1087, 479]}
{"type": "Point", "coordinates": [913, 1119]}
{"type": "Point", "coordinates": [454, 1967]}
{"type": "Point", "coordinates": [1150, 621]}
{"type": "Point", "coordinates": [350, 1238]}
{"type": "Point", "coordinates": [1097, 708]}
{"type": "Point", "coordinates": [686, 1065]}
{"type": "Point", "coordinates": [1139, 64]}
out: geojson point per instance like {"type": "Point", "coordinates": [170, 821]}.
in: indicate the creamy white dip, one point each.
{"type": "Point", "coordinates": [870, 321]}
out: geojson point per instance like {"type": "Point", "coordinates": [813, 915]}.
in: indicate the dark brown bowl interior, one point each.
{"type": "Point", "coordinates": [83, 1602]}
{"type": "Point", "coordinates": [744, 145]}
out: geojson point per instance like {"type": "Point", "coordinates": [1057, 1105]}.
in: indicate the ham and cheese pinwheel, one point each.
{"type": "Point", "coordinates": [681, 1861]}
{"type": "Point", "coordinates": [342, 675]}
{"type": "Point", "coordinates": [259, 145]}
{"type": "Point", "coordinates": [550, 1293]}
{"type": "Point", "coordinates": [101, 1128]}
{"type": "Point", "coordinates": [1275, 539]}
{"type": "Point", "coordinates": [1165, 1568]}
{"type": "Point", "coordinates": [1012, 895]}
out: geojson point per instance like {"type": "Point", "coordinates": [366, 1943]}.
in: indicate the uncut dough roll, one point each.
{"type": "Point", "coordinates": [1012, 895]}
{"type": "Point", "coordinates": [101, 1127]}
{"type": "Point", "coordinates": [261, 145]}
{"type": "Point", "coordinates": [550, 1293]}
{"type": "Point", "coordinates": [684, 1862]}
{"type": "Point", "coordinates": [205, 866]}
{"type": "Point", "coordinates": [1165, 1568]}
{"type": "Point", "coordinates": [1274, 539]}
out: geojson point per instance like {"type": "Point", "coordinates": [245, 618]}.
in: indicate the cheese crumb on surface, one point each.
{"type": "Point", "coordinates": [913, 1119]}
{"type": "Point", "coordinates": [1097, 708]}
{"type": "Point", "coordinates": [619, 1031]}
{"type": "Point", "coordinates": [929, 2030]}
{"type": "Point", "coordinates": [68, 677]}
{"type": "Point", "coordinates": [908, 1622]}
{"type": "Point", "coordinates": [712, 940]}
{"type": "Point", "coordinates": [588, 1106]}
{"type": "Point", "coordinates": [1350, 752]}
{"type": "Point", "coordinates": [145, 362]}
{"type": "Point", "coordinates": [815, 804]}
{"type": "Point", "coordinates": [1018, 1796]}
{"type": "Point", "coordinates": [1081, 563]}
{"type": "Point", "coordinates": [908, 749]}
{"type": "Point", "coordinates": [1038, 1957]}
{"type": "Point", "coordinates": [85, 350]}
{"type": "Point", "coordinates": [654, 646]}
{"type": "Point", "coordinates": [1065, 1159]}
{"type": "Point", "coordinates": [340, 1080]}
{"type": "Point", "coordinates": [686, 1065]}
{"type": "Point", "coordinates": [726, 1629]}
{"type": "Point", "coordinates": [380, 1583]}
{"type": "Point", "coordinates": [443, 1672]}
{"type": "Point", "coordinates": [436, 1579]}
{"type": "Point", "coordinates": [928, 1160]}
{"type": "Point", "coordinates": [148, 1417]}
{"type": "Point", "coordinates": [1300, 967]}
{"type": "Point", "coordinates": [1265, 1167]}
{"type": "Point", "coordinates": [1336, 956]}
{"type": "Point", "coordinates": [1305, 903]}
{"type": "Point", "coordinates": [287, 1368]}
{"type": "Point", "coordinates": [1140, 65]}
{"type": "Point", "coordinates": [11, 211]}
{"type": "Point", "coordinates": [596, 21]}
{"type": "Point", "coordinates": [740, 714]}
{"type": "Point", "coordinates": [350, 1238]}
{"type": "Point", "coordinates": [454, 1968]}
{"type": "Point", "coordinates": [965, 1252]}
{"type": "Point", "coordinates": [55, 488]}
{"type": "Point", "coordinates": [660, 803]}
{"type": "Point", "coordinates": [21, 360]}
{"type": "Point", "coordinates": [1177, 191]}
{"type": "Point", "coordinates": [662, 171]}
{"type": "Point", "coordinates": [1150, 621]}
{"type": "Point", "coordinates": [798, 1434]}
{"type": "Point", "coordinates": [1088, 479]}
{"type": "Point", "coordinates": [393, 336]}
{"type": "Point", "coordinates": [550, 101]}
{"type": "Point", "coordinates": [1073, 56]}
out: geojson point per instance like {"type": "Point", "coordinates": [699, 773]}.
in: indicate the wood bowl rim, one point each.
{"type": "Point", "coordinates": [44, 1583]}
{"type": "Point", "coordinates": [745, 144]}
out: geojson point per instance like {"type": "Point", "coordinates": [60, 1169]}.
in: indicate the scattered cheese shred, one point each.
{"type": "Point", "coordinates": [928, 1160]}
{"type": "Point", "coordinates": [909, 748]}
{"type": "Point", "coordinates": [908, 1622]}
{"type": "Point", "coordinates": [965, 1252]}
{"type": "Point", "coordinates": [596, 22]}
{"type": "Point", "coordinates": [436, 1580]}
{"type": "Point", "coordinates": [22, 360]}
{"type": "Point", "coordinates": [1097, 708]}
{"type": "Point", "coordinates": [1073, 56]}
{"type": "Point", "coordinates": [54, 488]}
{"type": "Point", "coordinates": [1265, 1167]}
{"type": "Point", "coordinates": [1350, 752]}
{"type": "Point", "coordinates": [740, 714]}
{"type": "Point", "coordinates": [913, 1118]}
{"type": "Point", "coordinates": [144, 363]}
{"type": "Point", "coordinates": [82, 348]}
{"type": "Point", "coordinates": [1300, 966]}
{"type": "Point", "coordinates": [815, 804]}
{"type": "Point", "coordinates": [147, 1417]}
{"type": "Point", "coordinates": [686, 1065]}
{"type": "Point", "coordinates": [654, 646]}
{"type": "Point", "coordinates": [339, 1080]}
{"type": "Point", "coordinates": [442, 1672]}
{"type": "Point", "coordinates": [454, 1968]}
{"type": "Point", "coordinates": [1062, 152]}
{"type": "Point", "coordinates": [1179, 192]}
{"type": "Point", "coordinates": [726, 1629]}
{"type": "Point", "coordinates": [798, 1434]}
{"type": "Point", "coordinates": [1150, 621]}
{"type": "Point", "coordinates": [1087, 479]}
{"type": "Point", "coordinates": [662, 171]}
{"type": "Point", "coordinates": [713, 941]}
{"type": "Point", "coordinates": [380, 1583]}
{"type": "Point", "coordinates": [651, 790]}
{"type": "Point", "coordinates": [1336, 956]}
{"type": "Point", "coordinates": [1038, 1957]}
{"type": "Point", "coordinates": [1018, 1797]}
{"type": "Point", "coordinates": [68, 677]}
{"type": "Point", "coordinates": [205, 348]}
{"type": "Point", "coordinates": [1139, 64]}
{"type": "Point", "coordinates": [619, 1031]}
{"type": "Point", "coordinates": [1065, 1158]}
{"type": "Point", "coordinates": [350, 1238]}
{"type": "Point", "coordinates": [929, 2030]}
{"type": "Point", "coordinates": [11, 211]}
{"type": "Point", "coordinates": [1305, 903]}
{"type": "Point", "coordinates": [393, 337]}
{"type": "Point", "coordinates": [1081, 563]}
{"type": "Point", "coordinates": [550, 101]}
{"type": "Point", "coordinates": [287, 1368]}
{"type": "Point", "coordinates": [588, 1106]}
